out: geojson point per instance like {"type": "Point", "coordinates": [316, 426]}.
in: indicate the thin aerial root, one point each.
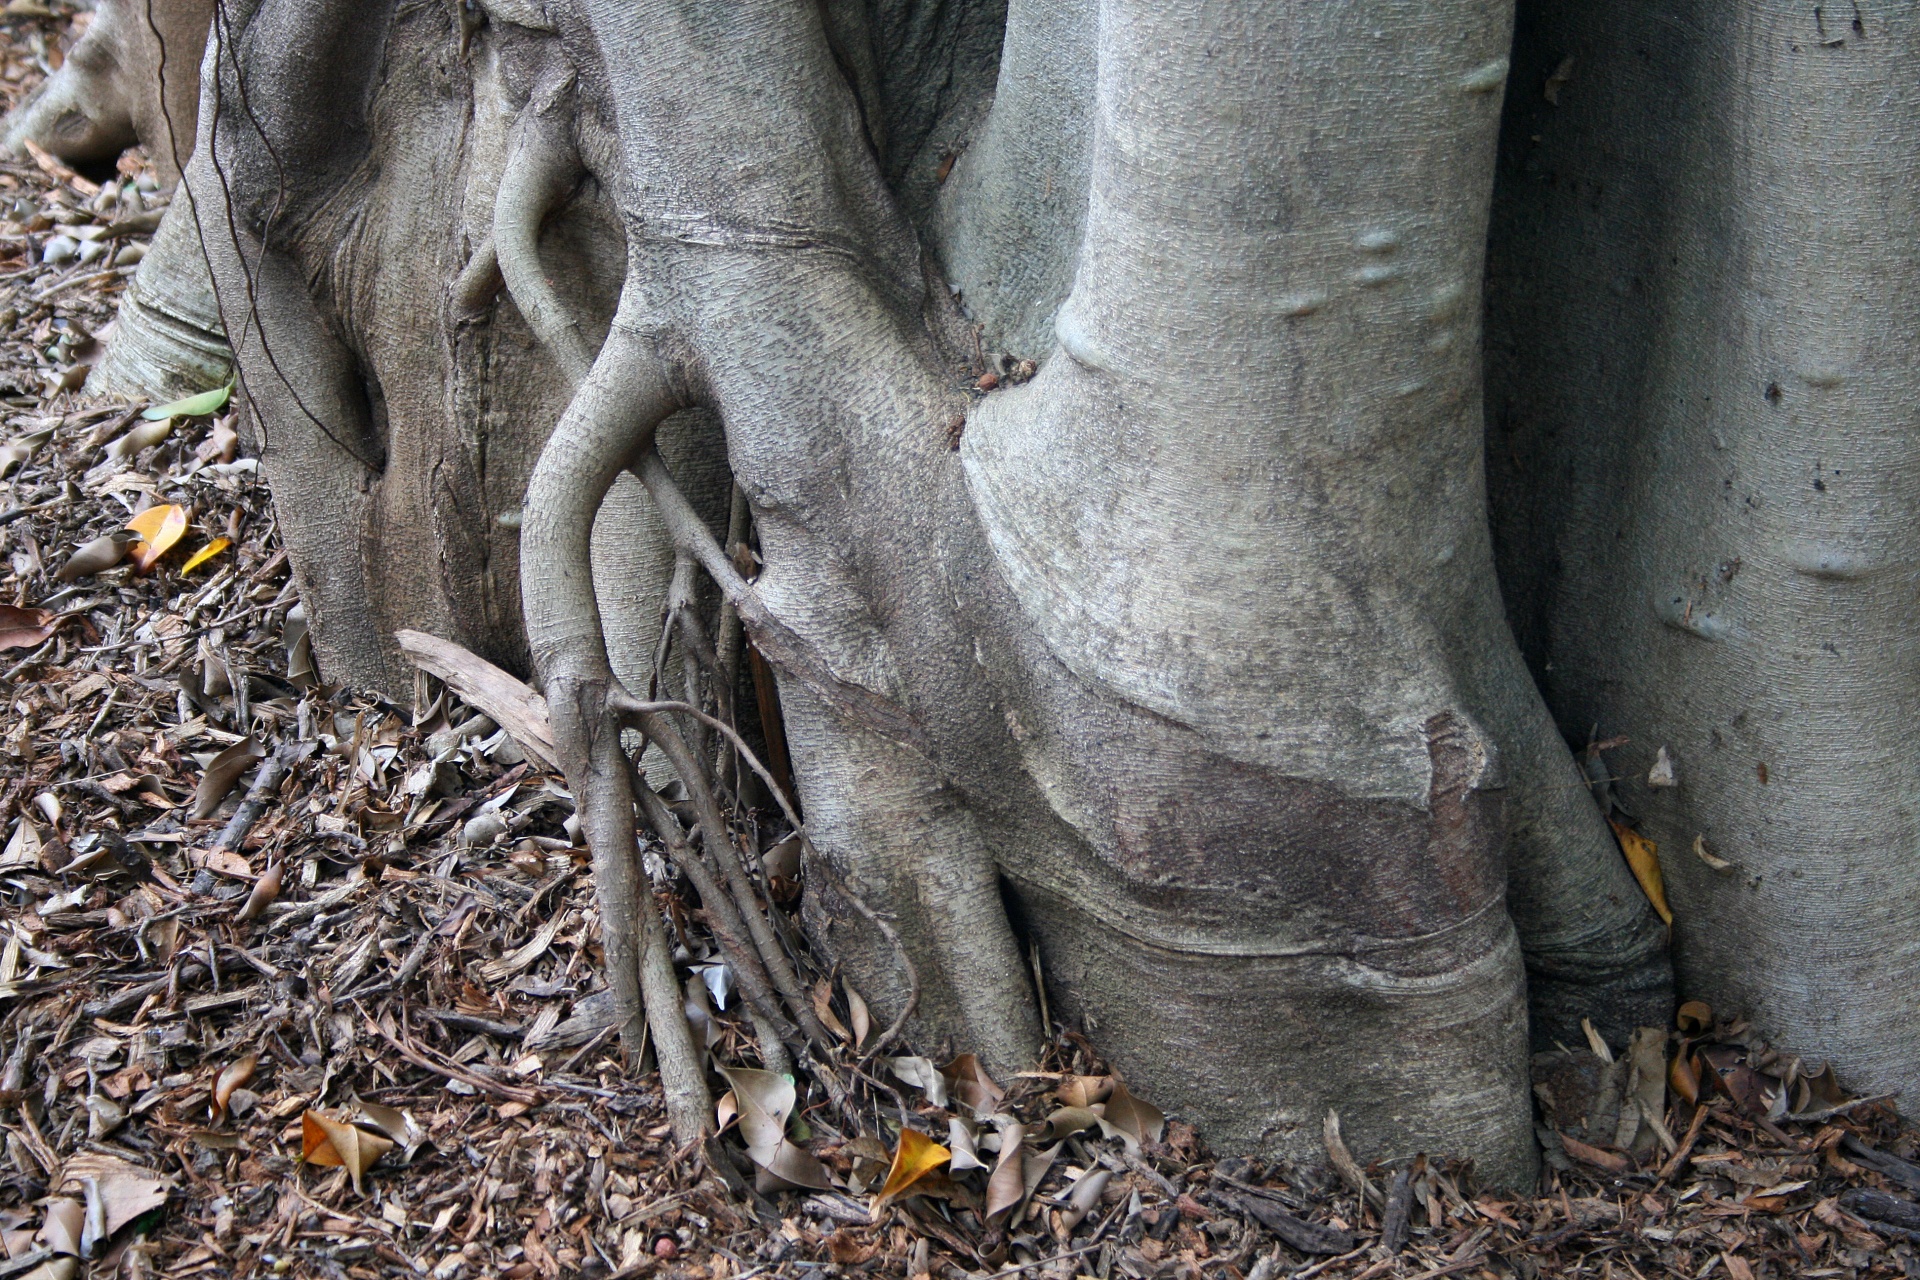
{"type": "Point", "coordinates": [723, 919]}
{"type": "Point", "coordinates": [718, 844]}
{"type": "Point", "coordinates": [542, 168]}
{"type": "Point", "coordinates": [775, 640]}
{"type": "Point", "coordinates": [627, 705]}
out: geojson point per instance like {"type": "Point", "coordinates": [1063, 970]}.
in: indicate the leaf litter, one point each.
{"type": "Point", "coordinates": [335, 1010]}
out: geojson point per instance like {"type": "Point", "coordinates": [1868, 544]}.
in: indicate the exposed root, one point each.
{"type": "Point", "coordinates": [542, 168]}
{"type": "Point", "coordinates": [615, 411]}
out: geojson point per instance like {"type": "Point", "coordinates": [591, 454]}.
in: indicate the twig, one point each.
{"type": "Point", "coordinates": [1827, 1113]}
{"type": "Point", "coordinates": [511, 1093]}
{"type": "Point", "coordinates": [1679, 1157]}
{"type": "Point", "coordinates": [261, 793]}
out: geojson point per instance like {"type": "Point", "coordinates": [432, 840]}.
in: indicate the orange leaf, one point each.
{"type": "Point", "coordinates": [917, 1156]}
{"type": "Point", "coordinates": [205, 554]}
{"type": "Point", "coordinates": [159, 528]}
{"type": "Point", "coordinates": [1640, 853]}
{"type": "Point", "coordinates": [330, 1141]}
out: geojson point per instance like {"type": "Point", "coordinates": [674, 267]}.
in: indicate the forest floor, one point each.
{"type": "Point", "coordinates": [296, 982]}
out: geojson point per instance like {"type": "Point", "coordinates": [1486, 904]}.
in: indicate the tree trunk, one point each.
{"type": "Point", "coordinates": [1703, 317]}
{"type": "Point", "coordinates": [1182, 665]}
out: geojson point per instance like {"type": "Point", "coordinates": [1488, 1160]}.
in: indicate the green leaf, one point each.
{"type": "Point", "coordinates": [192, 407]}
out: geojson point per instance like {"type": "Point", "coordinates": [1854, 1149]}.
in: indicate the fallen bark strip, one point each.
{"type": "Point", "coordinates": [506, 701]}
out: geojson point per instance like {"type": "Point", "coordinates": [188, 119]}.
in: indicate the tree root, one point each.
{"type": "Point", "coordinates": [623, 399]}
{"type": "Point", "coordinates": [542, 168]}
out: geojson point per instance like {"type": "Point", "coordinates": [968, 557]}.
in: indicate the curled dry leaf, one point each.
{"type": "Point", "coordinates": [1642, 859]}
{"type": "Point", "coordinates": [1081, 1200]}
{"type": "Point", "coordinates": [1007, 1185]}
{"type": "Point", "coordinates": [159, 529]}
{"type": "Point", "coordinates": [265, 890]}
{"type": "Point", "coordinates": [396, 1124]}
{"type": "Point", "coordinates": [969, 1082]}
{"type": "Point", "coordinates": [1083, 1091]}
{"type": "Point", "coordinates": [24, 628]}
{"type": "Point", "coordinates": [97, 556]}
{"type": "Point", "coordinates": [143, 435]}
{"type": "Point", "coordinates": [1067, 1121]}
{"type": "Point", "coordinates": [916, 1157]}
{"type": "Point", "coordinates": [235, 1075]}
{"type": "Point", "coordinates": [1709, 857]}
{"type": "Point", "coordinates": [223, 772]}
{"type": "Point", "coordinates": [1694, 1016]}
{"type": "Point", "coordinates": [823, 1009]}
{"type": "Point", "coordinates": [1684, 1078]}
{"type": "Point", "coordinates": [20, 448]}
{"type": "Point", "coordinates": [960, 1139]}
{"type": "Point", "coordinates": [331, 1140]}
{"type": "Point", "coordinates": [857, 1015]}
{"type": "Point", "coordinates": [764, 1100]}
{"type": "Point", "coordinates": [922, 1075]}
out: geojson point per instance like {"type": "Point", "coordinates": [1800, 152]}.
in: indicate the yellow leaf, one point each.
{"type": "Point", "coordinates": [917, 1156]}
{"type": "Point", "coordinates": [159, 528]}
{"type": "Point", "coordinates": [1640, 853]}
{"type": "Point", "coordinates": [330, 1141]}
{"type": "Point", "coordinates": [205, 554]}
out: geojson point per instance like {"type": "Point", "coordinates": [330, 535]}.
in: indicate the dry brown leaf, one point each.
{"type": "Point", "coordinates": [1083, 1091]}
{"type": "Point", "coordinates": [332, 1141]}
{"type": "Point", "coordinates": [922, 1075]}
{"type": "Point", "coordinates": [61, 1228]}
{"type": "Point", "coordinates": [1007, 1185]}
{"type": "Point", "coordinates": [915, 1158]}
{"type": "Point", "coordinates": [1694, 1016]}
{"type": "Point", "coordinates": [24, 628]}
{"type": "Point", "coordinates": [969, 1082]}
{"type": "Point", "coordinates": [960, 1140]}
{"type": "Point", "coordinates": [222, 772]}
{"type": "Point", "coordinates": [823, 1009]}
{"type": "Point", "coordinates": [1684, 1079]}
{"type": "Point", "coordinates": [764, 1101]}
{"type": "Point", "coordinates": [1135, 1121]}
{"type": "Point", "coordinates": [97, 556]}
{"type": "Point", "coordinates": [1643, 860]}
{"type": "Point", "coordinates": [857, 1014]}
{"type": "Point", "coordinates": [265, 890]}
{"type": "Point", "coordinates": [1067, 1121]}
{"type": "Point", "coordinates": [236, 1074]}
{"type": "Point", "coordinates": [126, 1190]}
{"type": "Point", "coordinates": [25, 847]}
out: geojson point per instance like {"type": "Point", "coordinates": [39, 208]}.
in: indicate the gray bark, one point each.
{"type": "Point", "coordinates": [1189, 669]}
{"type": "Point", "coordinates": [1703, 317]}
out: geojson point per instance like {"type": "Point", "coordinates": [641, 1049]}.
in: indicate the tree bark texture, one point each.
{"type": "Point", "coordinates": [1185, 661]}
{"type": "Point", "coordinates": [1706, 467]}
